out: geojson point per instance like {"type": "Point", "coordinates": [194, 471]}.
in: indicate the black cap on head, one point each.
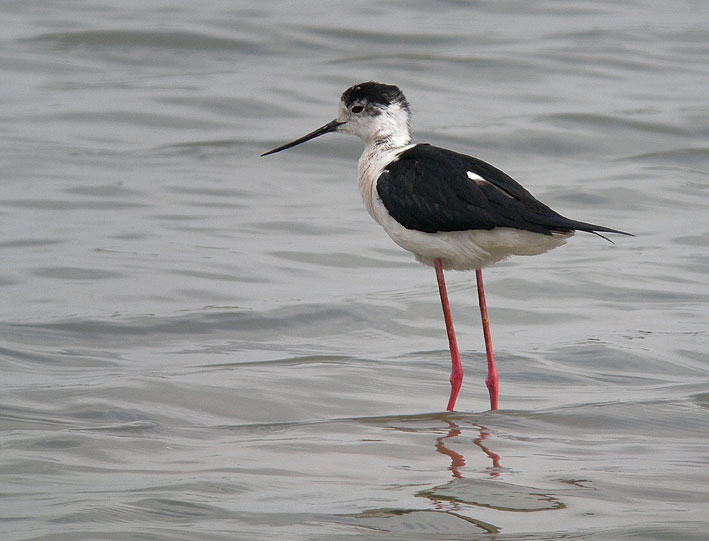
{"type": "Point", "coordinates": [375, 93]}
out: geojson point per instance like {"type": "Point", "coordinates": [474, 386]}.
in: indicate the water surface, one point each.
{"type": "Point", "coordinates": [198, 343]}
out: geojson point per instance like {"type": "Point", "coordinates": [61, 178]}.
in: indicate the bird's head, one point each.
{"type": "Point", "coordinates": [376, 113]}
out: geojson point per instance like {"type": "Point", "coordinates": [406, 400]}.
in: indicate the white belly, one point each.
{"type": "Point", "coordinates": [465, 250]}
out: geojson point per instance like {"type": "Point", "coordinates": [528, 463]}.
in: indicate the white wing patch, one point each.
{"type": "Point", "coordinates": [481, 181]}
{"type": "Point", "coordinates": [477, 179]}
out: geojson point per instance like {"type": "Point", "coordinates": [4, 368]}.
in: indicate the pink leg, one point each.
{"type": "Point", "coordinates": [457, 369]}
{"type": "Point", "coordinates": [491, 380]}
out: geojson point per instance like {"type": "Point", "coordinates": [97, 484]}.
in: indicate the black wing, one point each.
{"type": "Point", "coordinates": [428, 189]}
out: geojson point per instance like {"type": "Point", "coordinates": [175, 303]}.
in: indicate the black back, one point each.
{"type": "Point", "coordinates": [427, 189]}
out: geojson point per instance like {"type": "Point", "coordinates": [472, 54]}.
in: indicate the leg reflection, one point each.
{"type": "Point", "coordinates": [457, 459]}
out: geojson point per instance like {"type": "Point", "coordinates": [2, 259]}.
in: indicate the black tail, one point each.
{"type": "Point", "coordinates": [591, 228]}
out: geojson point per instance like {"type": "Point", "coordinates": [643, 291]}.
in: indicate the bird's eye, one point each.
{"type": "Point", "coordinates": [357, 108]}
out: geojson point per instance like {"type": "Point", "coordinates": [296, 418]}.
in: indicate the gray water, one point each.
{"type": "Point", "coordinates": [199, 343]}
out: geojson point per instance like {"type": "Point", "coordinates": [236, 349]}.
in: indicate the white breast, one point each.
{"type": "Point", "coordinates": [371, 164]}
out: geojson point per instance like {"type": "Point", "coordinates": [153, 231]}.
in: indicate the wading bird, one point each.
{"type": "Point", "coordinates": [450, 210]}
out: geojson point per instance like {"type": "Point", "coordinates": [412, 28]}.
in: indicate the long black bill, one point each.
{"type": "Point", "coordinates": [322, 130]}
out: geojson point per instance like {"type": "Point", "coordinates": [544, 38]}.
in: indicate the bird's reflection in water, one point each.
{"type": "Point", "coordinates": [455, 507]}
{"type": "Point", "coordinates": [457, 459]}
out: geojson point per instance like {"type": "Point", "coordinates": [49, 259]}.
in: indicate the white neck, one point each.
{"type": "Point", "coordinates": [392, 130]}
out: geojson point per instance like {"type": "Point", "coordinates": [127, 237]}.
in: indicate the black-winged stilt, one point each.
{"type": "Point", "coordinates": [450, 210]}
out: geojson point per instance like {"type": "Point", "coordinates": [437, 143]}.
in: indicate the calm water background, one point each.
{"type": "Point", "coordinates": [198, 343]}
